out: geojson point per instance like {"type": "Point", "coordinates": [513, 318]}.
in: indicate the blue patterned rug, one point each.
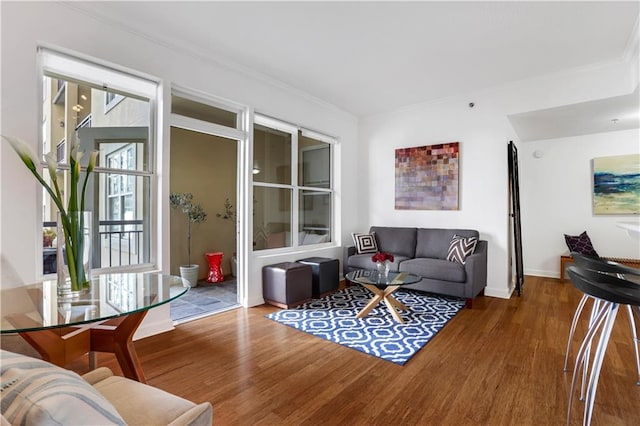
{"type": "Point", "coordinates": [334, 318]}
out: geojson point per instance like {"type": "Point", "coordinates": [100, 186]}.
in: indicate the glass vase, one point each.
{"type": "Point", "coordinates": [74, 253]}
{"type": "Point", "coordinates": [383, 271]}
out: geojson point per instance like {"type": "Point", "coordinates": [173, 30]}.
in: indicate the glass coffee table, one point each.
{"type": "Point", "coordinates": [103, 319]}
{"type": "Point", "coordinates": [382, 288]}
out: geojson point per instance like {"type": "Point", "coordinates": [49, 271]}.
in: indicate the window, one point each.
{"type": "Point", "coordinates": [121, 206]}
{"type": "Point", "coordinates": [201, 111]}
{"type": "Point", "coordinates": [315, 184]}
{"type": "Point", "coordinates": [111, 100]}
{"type": "Point", "coordinates": [290, 198]}
{"type": "Point", "coordinates": [119, 191]}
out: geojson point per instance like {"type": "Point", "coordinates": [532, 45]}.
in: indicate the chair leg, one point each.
{"type": "Point", "coordinates": [572, 331]}
{"type": "Point", "coordinates": [594, 325]}
{"type": "Point", "coordinates": [611, 313]}
{"type": "Point", "coordinates": [598, 306]}
{"type": "Point", "coordinates": [634, 322]}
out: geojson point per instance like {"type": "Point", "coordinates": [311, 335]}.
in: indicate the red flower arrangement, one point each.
{"type": "Point", "coordinates": [381, 257]}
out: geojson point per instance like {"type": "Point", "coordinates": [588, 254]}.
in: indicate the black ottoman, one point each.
{"type": "Point", "coordinates": [326, 276]}
{"type": "Point", "coordinates": [286, 284]}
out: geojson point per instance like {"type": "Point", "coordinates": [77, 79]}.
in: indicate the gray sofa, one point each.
{"type": "Point", "coordinates": [423, 252]}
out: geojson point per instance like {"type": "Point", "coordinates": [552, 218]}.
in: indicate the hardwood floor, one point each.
{"type": "Point", "coordinates": [499, 363]}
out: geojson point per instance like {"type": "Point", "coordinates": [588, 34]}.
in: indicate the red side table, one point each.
{"type": "Point", "coordinates": [215, 269]}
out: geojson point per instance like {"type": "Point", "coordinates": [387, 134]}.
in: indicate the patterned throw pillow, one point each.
{"type": "Point", "coordinates": [36, 392]}
{"type": "Point", "coordinates": [580, 244]}
{"type": "Point", "coordinates": [460, 248]}
{"type": "Point", "coordinates": [365, 243]}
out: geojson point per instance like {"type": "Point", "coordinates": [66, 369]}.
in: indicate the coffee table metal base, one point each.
{"type": "Point", "coordinates": [383, 295]}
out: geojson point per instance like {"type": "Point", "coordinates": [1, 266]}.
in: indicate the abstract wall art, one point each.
{"type": "Point", "coordinates": [427, 177]}
{"type": "Point", "coordinates": [616, 184]}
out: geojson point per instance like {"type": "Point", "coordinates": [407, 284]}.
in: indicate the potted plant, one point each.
{"type": "Point", "coordinates": [230, 215]}
{"type": "Point", "coordinates": [195, 214]}
{"type": "Point", "coordinates": [74, 223]}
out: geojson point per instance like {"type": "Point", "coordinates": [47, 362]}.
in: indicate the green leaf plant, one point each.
{"type": "Point", "coordinates": [72, 221]}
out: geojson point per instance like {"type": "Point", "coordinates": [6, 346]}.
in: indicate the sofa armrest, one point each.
{"type": "Point", "coordinates": [476, 269]}
{"type": "Point", "coordinates": [200, 415]}
{"type": "Point", "coordinates": [97, 375]}
{"type": "Point", "coordinates": [346, 253]}
{"type": "Point", "coordinates": [144, 404]}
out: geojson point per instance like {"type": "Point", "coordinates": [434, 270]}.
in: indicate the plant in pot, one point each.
{"type": "Point", "coordinates": [195, 214]}
{"type": "Point", "coordinates": [230, 215]}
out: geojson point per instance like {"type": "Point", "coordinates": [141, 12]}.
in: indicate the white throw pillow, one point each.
{"type": "Point", "coordinates": [460, 248]}
{"type": "Point", "coordinates": [365, 243]}
{"type": "Point", "coordinates": [35, 392]}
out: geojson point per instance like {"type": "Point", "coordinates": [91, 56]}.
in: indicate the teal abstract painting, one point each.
{"type": "Point", "coordinates": [616, 184]}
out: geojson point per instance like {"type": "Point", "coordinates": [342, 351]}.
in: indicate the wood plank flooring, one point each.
{"type": "Point", "coordinates": [499, 363]}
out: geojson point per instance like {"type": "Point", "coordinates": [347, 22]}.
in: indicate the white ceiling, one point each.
{"type": "Point", "coordinates": [370, 57]}
{"type": "Point", "coordinates": [599, 116]}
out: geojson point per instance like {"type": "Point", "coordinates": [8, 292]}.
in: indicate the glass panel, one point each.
{"type": "Point", "coordinates": [272, 218]}
{"type": "Point", "coordinates": [203, 112]}
{"type": "Point", "coordinates": [114, 208]}
{"type": "Point", "coordinates": [271, 156]}
{"type": "Point", "coordinates": [315, 217]}
{"type": "Point", "coordinates": [49, 243]}
{"type": "Point", "coordinates": [75, 111]}
{"type": "Point", "coordinates": [122, 237]}
{"type": "Point", "coordinates": [123, 221]}
{"type": "Point", "coordinates": [314, 162]}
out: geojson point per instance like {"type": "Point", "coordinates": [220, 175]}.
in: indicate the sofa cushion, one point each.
{"type": "Point", "coordinates": [435, 269]}
{"type": "Point", "coordinates": [395, 240]}
{"type": "Point", "coordinates": [363, 261]}
{"type": "Point", "coordinates": [365, 243]}
{"type": "Point", "coordinates": [434, 243]}
{"type": "Point", "coordinates": [37, 392]}
{"type": "Point", "coordinates": [460, 248]}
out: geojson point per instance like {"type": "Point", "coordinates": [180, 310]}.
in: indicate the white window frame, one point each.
{"type": "Point", "coordinates": [242, 134]}
{"type": "Point", "coordinates": [110, 104]}
{"type": "Point", "coordinates": [295, 186]}
{"type": "Point", "coordinates": [63, 64]}
{"type": "Point", "coordinates": [120, 193]}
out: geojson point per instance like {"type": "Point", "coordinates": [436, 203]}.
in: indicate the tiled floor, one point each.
{"type": "Point", "coordinates": [204, 299]}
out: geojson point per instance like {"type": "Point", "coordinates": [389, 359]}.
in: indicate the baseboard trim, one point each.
{"type": "Point", "coordinates": [157, 325]}
{"type": "Point", "coordinates": [256, 301]}
{"type": "Point", "coordinates": [153, 329]}
{"type": "Point", "coordinates": [499, 292]}
{"type": "Point", "coordinates": [542, 273]}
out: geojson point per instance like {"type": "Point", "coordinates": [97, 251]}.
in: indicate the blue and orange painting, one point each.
{"type": "Point", "coordinates": [616, 184]}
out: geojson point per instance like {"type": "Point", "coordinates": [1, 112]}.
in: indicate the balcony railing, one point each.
{"type": "Point", "coordinates": [118, 243]}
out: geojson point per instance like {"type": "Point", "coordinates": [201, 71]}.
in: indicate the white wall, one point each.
{"type": "Point", "coordinates": [483, 133]}
{"type": "Point", "coordinates": [557, 192]}
{"type": "Point", "coordinates": [27, 24]}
